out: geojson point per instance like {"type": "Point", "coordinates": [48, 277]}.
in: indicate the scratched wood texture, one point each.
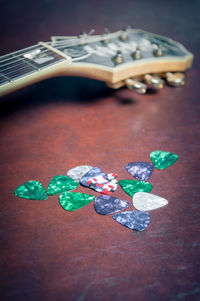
{"type": "Point", "coordinates": [50, 254]}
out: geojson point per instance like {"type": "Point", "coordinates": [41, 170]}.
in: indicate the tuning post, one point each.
{"type": "Point", "coordinates": [176, 79]}
{"type": "Point", "coordinates": [83, 36]}
{"type": "Point", "coordinates": [124, 35]}
{"type": "Point", "coordinates": [137, 53]}
{"type": "Point", "coordinates": [91, 32]}
{"type": "Point", "coordinates": [106, 38]}
{"type": "Point", "coordinates": [158, 51]}
{"type": "Point", "coordinates": [136, 85]}
{"type": "Point", "coordinates": [153, 81]}
{"type": "Point", "coordinates": [118, 58]}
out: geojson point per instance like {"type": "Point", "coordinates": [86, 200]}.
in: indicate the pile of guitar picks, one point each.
{"type": "Point", "coordinates": [106, 184]}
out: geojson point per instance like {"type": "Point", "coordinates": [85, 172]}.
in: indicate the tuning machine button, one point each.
{"type": "Point", "coordinates": [176, 79]}
{"type": "Point", "coordinates": [118, 58]}
{"type": "Point", "coordinates": [136, 85]}
{"type": "Point", "coordinates": [158, 51]}
{"type": "Point", "coordinates": [137, 53]}
{"type": "Point", "coordinates": [153, 81]}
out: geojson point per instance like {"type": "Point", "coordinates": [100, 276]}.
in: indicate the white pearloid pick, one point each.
{"type": "Point", "coordinates": [144, 201]}
{"type": "Point", "coordinates": [78, 172]}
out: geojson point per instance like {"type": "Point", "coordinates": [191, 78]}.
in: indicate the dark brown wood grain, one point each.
{"type": "Point", "coordinates": [51, 254]}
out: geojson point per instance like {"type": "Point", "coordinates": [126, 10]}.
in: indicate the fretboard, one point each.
{"type": "Point", "coordinates": [21, 63]}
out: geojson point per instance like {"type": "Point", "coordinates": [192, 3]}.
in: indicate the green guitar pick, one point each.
{"type": "Point", "coordinates": [163, 159]}
{"type": "Point", "coordinates": [72, 201]}
{"type": "Point", "coordinates": [32, 190]}
{"type": "Point", "coordinates": [59, 184]}
{"type": "Point", "coordinates": [133, 186]}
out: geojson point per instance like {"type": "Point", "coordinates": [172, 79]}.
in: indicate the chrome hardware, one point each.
{"type": "Point", "coordinates": [118, 58]}
{"type": "Point", "coordinates": [124, 35]}
{"type": "Point", "coordinates": [106, 38]}
{"type": "Point", "coordinates": [91, 32]}
{"type": "Point", "coordinates": [83, 36]}
{"type": "Point", "coordinates": [158, 51]}
{"type": "Point", "coordinates": [136, 85]}
{"type": "Point", "coordinates": [153, 81]}
{"type": "Point", "coordinates": [176, 79]}
{"type": "Point", "coordinates": [137, 53]}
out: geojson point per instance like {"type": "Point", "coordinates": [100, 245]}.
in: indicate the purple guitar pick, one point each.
{"type": "Point", "coordinates": [107, 204]}
{"type": "Point", "coordinates": [135, 220]}
{"type": "Point", "coordinates": [140, 170]}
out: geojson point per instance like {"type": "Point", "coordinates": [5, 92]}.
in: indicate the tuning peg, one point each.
{"type": "Point", "coordinates": [82, 36]}
{"type": "Point", "coordinates": [176, 79]}
{"type": "Point", "coordinates": [124, 35]}
{"type": "Point", "coordinates": [136, 85]}
{"type": "Point", "coordinates": [118, 58]}
{"type": "Point", "coordinates": [158, 51]}
{"type": "Point", "coordinates": [106, 33]}
{"type": "Point", "coordinates": [137, 53]}
{"type": "Point", "coordinates": [85, 34]}
{"type": "Point", "coordinates": [153, 81]}
{"type": "Point", "coordinates": [91, 32]}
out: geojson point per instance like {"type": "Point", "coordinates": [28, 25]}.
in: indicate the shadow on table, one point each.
{"type": "Point", "coordinates": [60, 89]}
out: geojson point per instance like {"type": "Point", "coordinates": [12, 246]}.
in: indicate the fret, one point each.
{"type": "Point", "coordinates": [19, 69]}
{"type": "Point", "coordinates": [12, 65]}
{"type": "Point", "coordinates": [30, 64]}
{"type": "Point", "coordinates": [27, 49]}
{"type": "Point", "coordinates": [26, 61]}
{"type": "Point", "coordinates": [15, 62]}
{"type": "Point", "coordinates": [9, 61]}
{"type": "Point", "coordinates": [20, 72]}
{"type": "Point", "coordinates": [4, 79]}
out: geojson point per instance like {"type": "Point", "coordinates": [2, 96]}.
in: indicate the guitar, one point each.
{"type": "Point", "coordinates": [130, 57]}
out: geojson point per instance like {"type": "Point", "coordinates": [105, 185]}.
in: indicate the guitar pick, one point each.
{"type": "Point", "coordinates": [92, 173]}
{"type": "Point", "coordinates": [133, 186]}
{"type": "Point", "coordinates": [60, 184]}
{"type": "Point", "coordinates": [32, 190]}
{"type": "Point", "coordinates": [72, 201]}
{"type": "Point", "coordinates": [97, 180]}
{"type": "Point", "coordinates": [104, 184]}
{"type": "Point", "coordinates": [163, 159]}
{"type": "Point", "coordinates": [78, 172]}
{"type": "Point", "coordinates": [107, 204]}
{"type": "Point", "coordinates": [140, 170]}
{"type": "Point", "coordinates": [135, 220]}
{"type": "Point", "coordinates": [146, 201]}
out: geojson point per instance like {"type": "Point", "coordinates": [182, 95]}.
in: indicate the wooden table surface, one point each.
{"type": "Point", "coordinates": [50, 254]}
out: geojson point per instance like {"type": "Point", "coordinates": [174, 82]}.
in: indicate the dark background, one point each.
{"type": "Point", "coordinates": [50, 254]}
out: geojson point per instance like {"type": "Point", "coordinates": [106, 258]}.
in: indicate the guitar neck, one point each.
{"type": "Point", "coordinates": [30, 65]}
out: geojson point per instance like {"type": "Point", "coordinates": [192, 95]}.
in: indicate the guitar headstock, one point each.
{"type": "Point", "coordinates": [130, 57]}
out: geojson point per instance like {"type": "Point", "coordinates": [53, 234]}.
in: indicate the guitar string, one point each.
{"type": "Point", "coordinates": [92, 39]}
{"type": "Point", "coordinates": [29, 48]}
{"type": "Point", "coordinates": [26, 52]}
{"type": "Point", "coordinates": [17, 59]}
{"type": "Point", "coordinates": [71, 42]}
{"type": "Point", "coordinates": [53, 44]}
{"type": "Point", "coordinates": [22, 59]}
